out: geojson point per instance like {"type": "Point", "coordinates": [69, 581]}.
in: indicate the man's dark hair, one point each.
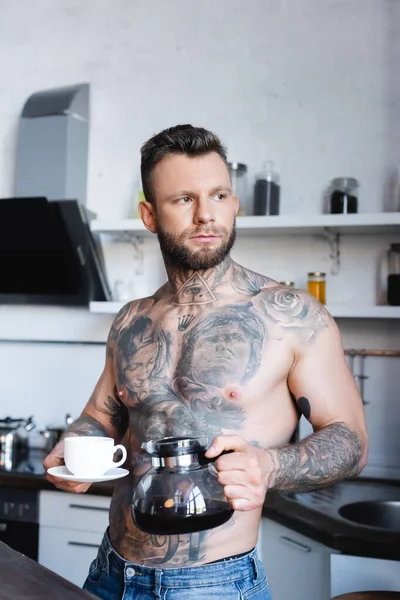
{"type": "Point", "coordinates": [181, 139]}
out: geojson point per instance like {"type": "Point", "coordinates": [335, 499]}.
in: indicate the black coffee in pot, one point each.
{"type": "Point", "coordinates": [157, 518]}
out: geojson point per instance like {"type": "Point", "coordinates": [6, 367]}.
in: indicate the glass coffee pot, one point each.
{"type": "Point", "coordinates": [393, 286]}
{"type": "Point", "coordinates": [181, 492]}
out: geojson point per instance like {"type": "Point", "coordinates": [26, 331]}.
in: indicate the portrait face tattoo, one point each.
{"type": "Point", "coordinates": [223, 348]}
{"type": "Point", "coordinates": [141, 355]}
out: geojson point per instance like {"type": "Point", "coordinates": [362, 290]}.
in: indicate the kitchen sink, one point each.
{"type": "Point", "coordinates": [381, 514]}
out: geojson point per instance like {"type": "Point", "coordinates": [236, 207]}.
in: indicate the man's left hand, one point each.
{"type": "Point", "coordinates": [244, 473]}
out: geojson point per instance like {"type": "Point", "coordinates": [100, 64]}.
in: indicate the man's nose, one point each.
{"type": "Point", "coordinates": [205, 211]}
{"type": "Point", "coordinates": [220, 345]}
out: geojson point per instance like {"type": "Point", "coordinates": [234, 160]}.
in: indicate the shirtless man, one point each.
{"type": "Point", "coordinates": [219, 351]}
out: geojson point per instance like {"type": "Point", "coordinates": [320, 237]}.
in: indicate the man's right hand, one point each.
{"type": "Point", "coordinates": [56, 459]}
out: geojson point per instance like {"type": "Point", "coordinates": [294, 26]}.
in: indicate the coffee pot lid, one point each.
{"type": "Point", "coordinates": [175, 446]}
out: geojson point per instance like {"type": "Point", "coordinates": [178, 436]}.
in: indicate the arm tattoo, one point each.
{"type": "Point", "coordinates": [329, 455]}
{"type": "Point", "coordinates": [119, 416]}
{"type": "Point", "coordinates": [292, 311]}
{"type": "Point", "coordinates": [86, 426]}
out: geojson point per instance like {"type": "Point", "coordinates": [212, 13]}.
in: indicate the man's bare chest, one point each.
{"type": "Point", "coordinates": [186, 372]}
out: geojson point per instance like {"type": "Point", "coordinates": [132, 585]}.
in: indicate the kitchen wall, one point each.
{"type": "Point", "coordinates": [312, 85]}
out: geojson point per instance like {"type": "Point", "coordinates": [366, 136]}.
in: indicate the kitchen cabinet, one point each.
{"type": "Point", "coordinates": [71, 527]}
{"type": "Point", "coordinates": [297, 567]}
{"type": "Point", "coordinates": [356, 573]}
{"type": "Point", "coordinates": [68, 552]}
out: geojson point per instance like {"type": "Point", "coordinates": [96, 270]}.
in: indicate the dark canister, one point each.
{"type": "Point", "coordinates": [267, 191]}
{"type": "Point", "coordinates": [343, 196]}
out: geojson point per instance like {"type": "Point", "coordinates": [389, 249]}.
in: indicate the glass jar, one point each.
{"type": "Point", "coordinates": [238, 172]}
{"type": "Point", "coordinates": [316, 286]}
{"type": "Point", "coordinates": [267, 191]}
{"type": "Point", "coordinates": [289, 284]}
{"type": "Point", "coordinates": [343, 199]}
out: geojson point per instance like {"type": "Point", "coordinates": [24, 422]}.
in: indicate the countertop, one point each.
{"type": "Point", "coordinates": [22, 577]}
{"type": "Point", "coordinates": [29, 473]}
{"type": "Point", "coordinates": [315, 515]}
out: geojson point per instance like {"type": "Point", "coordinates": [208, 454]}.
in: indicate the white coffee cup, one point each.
{"type": "Point", "coordinates": [91, 456]}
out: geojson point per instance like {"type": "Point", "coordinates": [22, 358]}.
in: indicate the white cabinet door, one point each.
{"type": "Point", "coordinates": [73, 511]}
{"type": "Point", "coordinates": [359, 574]}
{"type": "Point", "coordinates": [71, 527]}
{"type": "Point", "coordinates": [297, 568]}
{"type": "Point", "coordinates": [67, 552]}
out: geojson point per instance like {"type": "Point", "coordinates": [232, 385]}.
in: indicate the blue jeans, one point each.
{"type": "Point", "coordinates": [111, 577]}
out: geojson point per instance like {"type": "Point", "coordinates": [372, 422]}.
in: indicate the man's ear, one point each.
{"type": "Point", "coordinates": [236, 200]}
{"type": "Point", "coordinates": [148, 215]}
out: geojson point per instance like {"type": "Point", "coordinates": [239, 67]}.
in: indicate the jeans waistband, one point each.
{"type": "Point", "coordinates": [227, 570]}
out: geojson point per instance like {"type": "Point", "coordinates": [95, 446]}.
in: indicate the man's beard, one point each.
{"type": "Point", "coordinates": [178, 255]}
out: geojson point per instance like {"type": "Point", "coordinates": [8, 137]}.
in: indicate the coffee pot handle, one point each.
{"type": "Point", "coordinates": [204, 460]}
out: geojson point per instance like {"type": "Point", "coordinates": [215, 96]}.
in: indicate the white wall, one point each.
{"type": "Point", "coordinates": [48, 381]}
{"type": "Point", "coordinates": [313, 85]}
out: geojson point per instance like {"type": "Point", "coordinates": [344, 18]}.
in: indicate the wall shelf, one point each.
{"type": "Point", "coordinates": [377, 223]}
{"type": "Point", "coordinates": [364, 312]}
{"type": "Point", "coordinates": [338, 311]}
{"type": "Point", "coordinates": [105, 308]}
{"type": "Point", "coordinates": [330, 226]}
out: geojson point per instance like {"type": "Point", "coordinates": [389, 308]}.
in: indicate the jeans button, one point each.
{"type": "Point", "coordinates": [130, 572]}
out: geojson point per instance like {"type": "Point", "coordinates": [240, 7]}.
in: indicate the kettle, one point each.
{"type": "Point", "coordinates": [53, 434]}
{"type": "Point", "coordinates": [181, 492]}
{"type": "Point", "coordinates": [13, 435]}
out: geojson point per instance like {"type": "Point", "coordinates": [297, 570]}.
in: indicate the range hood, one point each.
{"type": "Point", "coordinates": [52, 144]}
{"type": "Point", "coordinates": [48, 255]}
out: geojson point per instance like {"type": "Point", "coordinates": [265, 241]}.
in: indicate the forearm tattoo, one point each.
{"type": "Point", "coordinates": [331, 454]}
{"type": "Point", "coordinates": [86, 425]}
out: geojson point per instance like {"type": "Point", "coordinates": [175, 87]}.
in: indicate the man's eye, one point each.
{"type": "Point", "coordinates": [184, 200]}
{"type": "Point", "coordinates": [220, 197]}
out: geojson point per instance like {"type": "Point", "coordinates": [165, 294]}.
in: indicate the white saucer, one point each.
{"type": "Point", "coordinates": [63, 473]}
